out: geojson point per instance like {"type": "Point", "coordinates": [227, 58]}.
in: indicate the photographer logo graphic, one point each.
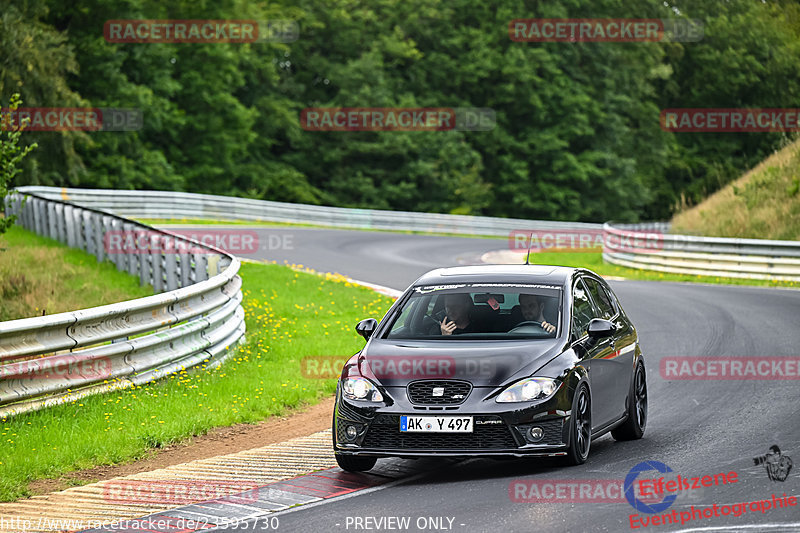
{"type": "Point", "coordinates": [630, 494]}
{"type": "Point", "coordinates": [777, 464]}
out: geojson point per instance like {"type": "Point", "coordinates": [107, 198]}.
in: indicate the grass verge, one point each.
{"type": "Point", "coordinates": [40, 275]}
{"type": "Point", "coordinates": [763, 204]}
{"type": "Point", "coordinates": [289, 315]}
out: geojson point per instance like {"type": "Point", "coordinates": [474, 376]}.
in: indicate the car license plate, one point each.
{"type": "Point", "coordinates": [436, 424]}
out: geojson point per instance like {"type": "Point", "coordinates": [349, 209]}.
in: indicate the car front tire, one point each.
{"type": "Point", "coordinates": [634, 425]}
{"type": "Point", "coordinates": [580, 429]}
{"type": "Point", "coordinates": [355, 463]}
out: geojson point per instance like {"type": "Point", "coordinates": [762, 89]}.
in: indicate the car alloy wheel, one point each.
{"type": "Point", "coordinates": [581, 427]}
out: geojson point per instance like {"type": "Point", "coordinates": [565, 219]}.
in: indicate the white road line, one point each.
{"type": "Point", "coordinates": [388, 291]}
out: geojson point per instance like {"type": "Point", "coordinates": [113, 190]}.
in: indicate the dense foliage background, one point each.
{"type": "Point", "coordinates": [577, 135]}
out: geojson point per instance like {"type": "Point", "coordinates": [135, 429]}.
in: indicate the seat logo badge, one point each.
{"type": "Point", "coordinates": [438, 391]}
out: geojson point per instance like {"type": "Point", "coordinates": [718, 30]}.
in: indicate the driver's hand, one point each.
{"type": "Point", "coordinates": [447, 327]}
{"type": "Point", "coordinates": [548, 327]}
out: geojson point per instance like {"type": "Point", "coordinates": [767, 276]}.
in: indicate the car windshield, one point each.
{"type": "Point", "coordinates": [479, 311]}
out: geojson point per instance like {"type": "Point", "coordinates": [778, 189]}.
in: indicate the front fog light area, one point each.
{"type": "Point", "coordinates": [347, 431]}
{"type": "Point", "coordinates": [542, 432]}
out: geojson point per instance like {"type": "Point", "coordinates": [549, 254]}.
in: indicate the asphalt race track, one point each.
{"type": "Point", "coordinates": [696, 427]}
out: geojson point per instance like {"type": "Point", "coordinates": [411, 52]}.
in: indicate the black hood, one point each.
{"type": "Point", "coordinates": [395, 363]}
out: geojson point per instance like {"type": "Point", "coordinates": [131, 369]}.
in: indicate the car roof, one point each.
{"type": "Point", "coordinates": [544, 274]}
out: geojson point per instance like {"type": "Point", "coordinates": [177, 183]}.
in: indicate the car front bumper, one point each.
{"type": "Point", "coordinates": [498, 429]}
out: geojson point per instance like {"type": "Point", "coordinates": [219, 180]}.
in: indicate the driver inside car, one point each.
{"type": "Point", "coordinates": [531, 309]}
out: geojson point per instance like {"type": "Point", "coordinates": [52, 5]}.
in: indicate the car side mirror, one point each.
{"type": "Point", "coordinates": [600, 328]}
{"type": "Point", "coordinates": [366, 327]}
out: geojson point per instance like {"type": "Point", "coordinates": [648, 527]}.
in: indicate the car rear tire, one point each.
{"type": "Point", "coordinates": [580, 427]}
{"type": "Point", "coordinates": [634, 426]}
{"type": "Point", "coordinates": [355, 463]}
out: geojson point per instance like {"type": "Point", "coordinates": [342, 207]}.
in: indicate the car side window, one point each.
{"type": "Point", "coordinates": [402, 320]}
{"type": "Point", "coordinates": [582, 310]}
{"type": "Point", "coordinates": [601, 298]}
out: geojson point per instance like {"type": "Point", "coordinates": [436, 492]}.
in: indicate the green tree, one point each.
{"type": "Point", "coordinates": [11, 154]}
{"type": "Point", "coordinates": [36, 60]}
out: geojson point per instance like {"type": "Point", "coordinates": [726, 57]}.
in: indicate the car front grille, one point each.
{"type": "Point", "coordinates": [384, 433]}
{"type": "Point", "coordinates": [454, 392]}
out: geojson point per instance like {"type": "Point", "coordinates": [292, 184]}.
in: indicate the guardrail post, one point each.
{"type": "Point", "coordinates": [171, 270]}
{"type": "Point", "coordinates": [132, 257]}
{"type": "Point", "coordinates": [200, 267]}
{"type": "Point", "coordinates": [158, 270]}
{"type": "Point", "coordinates": [69, 225]}
{"type": "Point", "coordinates": [52, 229]}
{"type": "Point", "coordinates": [185, 269]}
{"type": "Point", "coordinates": [61, 227]}
{"type": "Point", "coordinates": [77, 218]}
{"type": "Point", "coordinates": [212, 261]}
{"type": "Point", "coordinates": [27, 203]}
{"type": "Point", "coordinates": [100, 224]}
{"type": "Point", "coordinates": [16, 206]}
{"type": "Point", "coordinates": [39, 215]}
{"type": "Point", "coordinates": [145, 262]}
{"type": "Point", "coordinates": [88, 232]}
{"type": "Point", "coordinates": [35, 215]}
{"type": "Point", "coordinates": [118, 257]}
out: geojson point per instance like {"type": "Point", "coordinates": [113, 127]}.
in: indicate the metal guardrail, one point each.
{"type": "Point", "coordinates": [650, 247]}
{"type": "Point", "coordinates": [172, 205]}
{"type": "Point", "coordinates": [51, 359]}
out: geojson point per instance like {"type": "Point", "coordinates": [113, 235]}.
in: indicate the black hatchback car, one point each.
{"type": "Point", "coordinates": [492, 361]}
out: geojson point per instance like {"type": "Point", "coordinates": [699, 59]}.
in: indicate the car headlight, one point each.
{"type": "Point", "coordinates": [528, 390]}
{"type": "Point", "coordinates": [361, 389]}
